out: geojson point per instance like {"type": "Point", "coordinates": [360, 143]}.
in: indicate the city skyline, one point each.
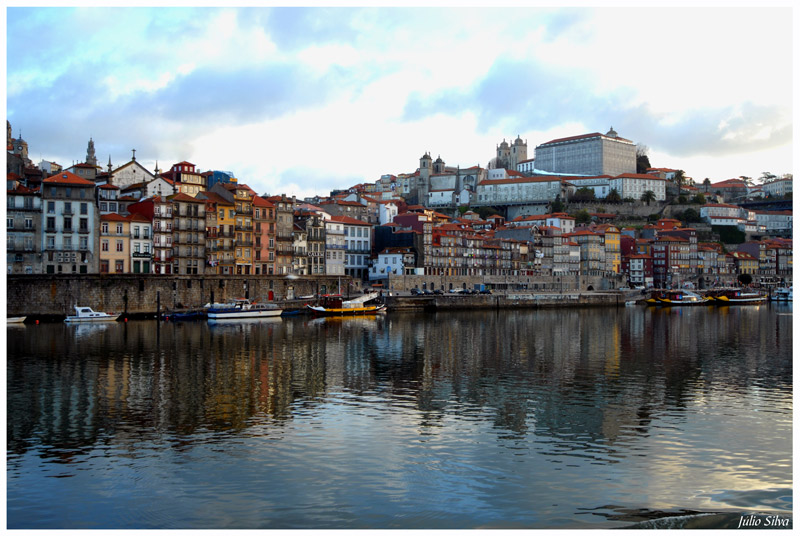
{"type": "Point", "coordinates": [326, 98]}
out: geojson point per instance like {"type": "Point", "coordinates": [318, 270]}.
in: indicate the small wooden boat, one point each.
{"type": "Point", "coordinates": [335, 305]}
{"type": "Point", "coordinates": [243, 308]}
{"type": "Point", "coordinates": [738, 297]}
{"type": "Point", "coordinates": [86, 314]}
{"type": "Point", "coordinates": [16, 319]}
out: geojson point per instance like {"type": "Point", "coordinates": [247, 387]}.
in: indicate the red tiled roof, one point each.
{"type": "Point", "coordinates": [65, 177]}
{"type": "Point", "coordinates": [350, 221]}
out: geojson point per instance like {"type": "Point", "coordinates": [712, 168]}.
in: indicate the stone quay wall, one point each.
{"type": "Point", "coordinates": [138, 294]}
{"type": "Point", "coordinates": [535, 300]}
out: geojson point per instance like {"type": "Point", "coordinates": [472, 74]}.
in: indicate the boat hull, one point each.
{"type": "Point", "coordinates": [347, 311]}
{"type": "Point", "coordinates": [725, 300]}
{"type": "Point", "coordinates": [226, 315]}
{"type": "Point", "coordinates": [95, 319]}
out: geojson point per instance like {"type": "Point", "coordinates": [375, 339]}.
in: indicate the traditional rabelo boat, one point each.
{"type": "Point", "coordinates": [336, 305]}
{"type": "Point", "coordinates": [737, 296]}
{"type": "Point", "coordinates": [677, 298]}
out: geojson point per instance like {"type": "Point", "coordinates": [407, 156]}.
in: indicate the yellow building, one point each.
{"type": "Point", "coordinates": [220, 233]}
{"type": "Point", "coordinates": [115, 246]}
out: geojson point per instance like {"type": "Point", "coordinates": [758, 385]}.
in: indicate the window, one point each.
{"type": "Point", "coordinates": [84, 208]}
{"type": "Point", "coordinates": [119, 266]}
{"type": "Point", "coordinates": [51, 242]}
{"type": "Point", "coordinates": [67, 242]}
{"type": "Point", "coordinates": [51, 207]}
{"type": "Point", "coordinates": [112, 207]}
{"type": "Point", "coordinates": [83, 225]}
{"type": "Point", "coordinates": [103, 206]}
{"type": "Point", "coordinates": [104, 228]}
{"type": "Point", "coordinates": [67, 208]}
{"type": "Point", "coordinates": [104, 245]}
{"type": "Point", "coordinates": [67, 225]}
{"type": "Point", "coordinates": [9, 223]}
{"type": "Point", "coordinates": [119, 228]}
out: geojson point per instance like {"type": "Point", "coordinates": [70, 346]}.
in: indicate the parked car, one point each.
{"type": "Point", "coordinates": [438, 291]}
{"type": "Point", "coordinates": [415, 291]}
{"type": "Point", "coordinates": [486, 291]}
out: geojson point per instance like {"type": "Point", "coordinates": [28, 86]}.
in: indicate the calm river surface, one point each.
{"type": "Point", "coordinates": [503, 419]}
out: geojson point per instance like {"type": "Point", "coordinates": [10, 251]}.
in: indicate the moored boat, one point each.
{"type": "Point", "coordinates": [782, 294]}
{"type": "Point", "coordinates": [242, 308]}
{"type": "Point", "coordinates": [86, 314]}
{"type": "Point", "coordinates": [335, 305]}
{"type": "Point", "coordinates": [738, 297]}
{"type": "Point", "coordinates": [16, 319]}
{"type": "Point", "coordinates": [679, 298]}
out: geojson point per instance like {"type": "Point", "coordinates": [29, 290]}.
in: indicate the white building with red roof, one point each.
{"type": "Point", "coordinates": [69, 225]}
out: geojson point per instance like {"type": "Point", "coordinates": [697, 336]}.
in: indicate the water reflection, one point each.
{"type": "Point", "coordinates": [642, 389]}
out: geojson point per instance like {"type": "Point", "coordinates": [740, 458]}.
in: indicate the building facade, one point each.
{"type": "Point", "coordinates": [588, 154]}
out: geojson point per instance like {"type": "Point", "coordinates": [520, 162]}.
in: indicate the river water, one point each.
{"type": "Point", "coordinates": [570, 418]}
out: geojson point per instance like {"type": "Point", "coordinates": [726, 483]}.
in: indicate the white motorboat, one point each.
{"type": "Point", "coordinates": [782, 294]}
{"type": "Point", "coordinates": [15, 319]}
{"type": "Point", "coordinates": [86, 314]}
{"type": "Point", "coordinates": [243, 308]}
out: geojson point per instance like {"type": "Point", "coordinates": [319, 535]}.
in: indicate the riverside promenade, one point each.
{"type": "Point", "coordinates": [54, 296]}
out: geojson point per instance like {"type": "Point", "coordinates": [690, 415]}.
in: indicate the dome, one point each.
{"type": "Point", "coordinates": [612, 133]}
{"type": "Point", "coordinates": [518, 141]}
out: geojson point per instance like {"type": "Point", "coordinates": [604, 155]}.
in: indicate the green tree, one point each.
{"type": "Point", "coordinates": [557, 205]}
{"type": "Point", "coordinates": [699, 199]}
{"type": "Point", "coordinates": [648, 196]}
{"type": "Point", "coordinates": [582, 216]}
{"type": "Point", "coordinates": [745, 279]}
{"type": "Point", "coordinates": [642, 160]}
{"type": "Point", "coordinates": [766, 176]}
{"type": "Point", "coordinates": [680, 178]}
{"type": "Point", "coordinates": [583, 195]}
{"type": "Point", "coordinates": [690, 215]}
{"type": "Point", "coordinates": [613, 196]}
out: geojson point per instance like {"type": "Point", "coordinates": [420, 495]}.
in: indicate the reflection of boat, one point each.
{"type": "Point", "coordinates": [335, 305]}
{"type": "Point", "coordinates": [782, 294]}
{"type": "Point", "coordinates": [677, 298]}
{"type": "Point", "coordinates": [738, 297]}
{"type": "Point", "coordinates": [243, 308]}
{"type": "Point", "coordinates": [86, 314]}
{"type": "Point", "coordinates": [15, 319]}
{"type": "Point", "coordinates": [244, 322]}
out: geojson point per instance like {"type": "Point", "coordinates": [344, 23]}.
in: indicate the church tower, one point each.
{"type": "Point", "coordinates": [91, 158]}
{"type": "Point", "coordinates": [426, 166]}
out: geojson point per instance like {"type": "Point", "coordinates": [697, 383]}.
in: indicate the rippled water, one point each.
{"type": "Point", "coordinates": [509, 419]}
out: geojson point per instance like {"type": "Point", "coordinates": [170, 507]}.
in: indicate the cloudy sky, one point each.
{"type": "Point", "coordinates": [304, 100]}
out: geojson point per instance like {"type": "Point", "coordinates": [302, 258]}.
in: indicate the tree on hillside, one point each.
{"type": "Point", "coordinates": [582, 216]}
{"type": "Point", "coordinates": [642, 160]}
{"type": "Point", "coordinates": [747, 180]}
{"type": "Point", "coordinates": [582, 195]}
{"type": "Point", "coordinates": [766, 176]}
{"type": "Point", "coordinates": [613, 196]}
{"type": "Point", "coordinates": [557, 205]}
{"type": "Point", "coordinates": [690, 215]}
{"type": "Point", "coordinates": [648, 196]}
{"type": "Point", "coordinates": [680, 178]}
{"type": "Point", "coordinates": [699, 199]}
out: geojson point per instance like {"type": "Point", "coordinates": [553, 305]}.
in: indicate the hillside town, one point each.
{"type": "Point", "coordinates": [580, 209]}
